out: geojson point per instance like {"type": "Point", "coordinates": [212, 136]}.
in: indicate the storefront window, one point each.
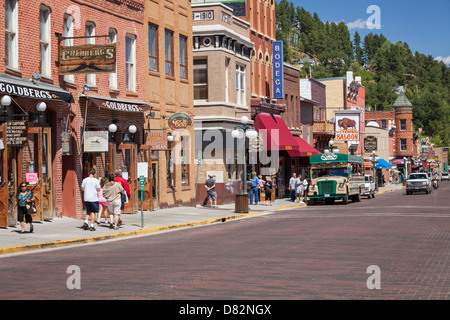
{"type": "Point", "coordinates": [185, 159]}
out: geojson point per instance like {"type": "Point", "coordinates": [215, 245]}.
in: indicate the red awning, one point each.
{"type": "Point", "coordinates": [276, 134]}
{"type": "Point", "coordinates": [305, 149]}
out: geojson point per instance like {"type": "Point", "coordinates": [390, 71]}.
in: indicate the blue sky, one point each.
{"type": "Point", "coordinates": [424, 25]}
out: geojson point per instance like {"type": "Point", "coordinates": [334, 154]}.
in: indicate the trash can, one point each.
{"type": "Point", "coordinates": [241, 204]}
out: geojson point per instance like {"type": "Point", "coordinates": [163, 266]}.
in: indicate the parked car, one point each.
{"type": "Point", "coordinates": [418, 182]}
{"type": "Point", "coordinates": [369, 186]}
{"type": "Point", "coordinates": [444, 176]}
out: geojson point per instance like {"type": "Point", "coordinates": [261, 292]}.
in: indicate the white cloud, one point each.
{"type": "Point", "coordinates": [357, 24]}
{"type": "Point", "coordinates": [446, 60]}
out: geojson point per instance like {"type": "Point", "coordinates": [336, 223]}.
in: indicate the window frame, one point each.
{"type": "Point", "coordinates": [183, 56]}
{"type": "Point", "coordinates": [403, 125]}
{"type": "Point", "coordinates": [201, 63]}
{"type": "Point", "coordinates": [91, 79]}
{"type": "Point", "coordinates": [45, 44]}
{"type": "Point", "coordinates": [240, 84]}
{"type": "Point", "coordinates": [185, 160]}
{"type": "Point", "coordinates": [153, 53]}
{"type": "Point", "coordinates": [68, 27]}
{"type": "Point", "coordinates": [130, 77]}
{"type": "Point", "coordinates": [403, 146]}
{"type": "Point", "coordinates": [168, 52]}
{"type": "Point", "coordinates": [113, 75]}
{"type": "Point", "coordinates": [11, 35]}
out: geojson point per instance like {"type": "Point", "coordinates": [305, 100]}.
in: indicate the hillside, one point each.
{"type": "Point", "coordinates": [382, 65]}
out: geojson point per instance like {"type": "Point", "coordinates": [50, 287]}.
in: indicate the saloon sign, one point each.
{"type": "Point", "coordinates": [347, 127]}
{"type": "Point", "coordinates": [180, 122]}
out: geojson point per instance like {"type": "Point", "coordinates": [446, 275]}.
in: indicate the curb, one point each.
{"type": "Point", "coordinates": [61, 243]}
{"type": "Point", "coordinates": [291, 206]}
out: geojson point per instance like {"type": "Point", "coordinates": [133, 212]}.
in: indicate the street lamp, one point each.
{"type": "Point", "coordinates": [375, 159]}
{"type": "Point", "coordinates": [240, 132]}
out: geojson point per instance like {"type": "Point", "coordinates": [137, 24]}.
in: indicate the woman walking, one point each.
{"type": "Point", "coordinates": [23, 198]}
{"type": "Point", "coordinates": [102, 203]}
{"type": "Point", "coordinates": [112, 192]}
{"type": "Point", "coordinates": [268, 188]}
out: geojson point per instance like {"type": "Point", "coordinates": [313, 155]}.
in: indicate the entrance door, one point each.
{"type": "Point", "coordinates": [36, 158]}
{"type": "Point", "coordinates": [126, 157]}
{"type": "Point", "coordinates": [155, 185]}
{"type": "Point", "coordinates": [3, 179]}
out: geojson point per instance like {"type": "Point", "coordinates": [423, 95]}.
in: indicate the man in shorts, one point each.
{"type": "Point", "coordinates": [210, 186]}
{"type": "Point", "coordinates": [90, 187]}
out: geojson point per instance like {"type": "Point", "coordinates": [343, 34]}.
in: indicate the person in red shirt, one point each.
{"type": "Point", "coordinates": [118, 178]}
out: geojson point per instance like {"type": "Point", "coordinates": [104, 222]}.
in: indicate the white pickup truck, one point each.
{"type": "Point", "coordinates": [418, 182]}
{"type": "Point", "coordinates": [369, 189]}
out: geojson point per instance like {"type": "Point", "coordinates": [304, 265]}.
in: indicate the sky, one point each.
{"type": "Point", "coordinates": [423, 25]}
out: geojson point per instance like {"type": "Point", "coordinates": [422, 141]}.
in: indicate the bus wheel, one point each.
{"type": "Point", "coordinates": [345, 199]}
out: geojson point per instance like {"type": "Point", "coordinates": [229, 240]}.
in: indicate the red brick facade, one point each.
{"type": "Point", "coordinates": [123, 16]}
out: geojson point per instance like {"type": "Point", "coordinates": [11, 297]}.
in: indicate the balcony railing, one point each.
{"type": "Point", "coordinates": [323, 127]}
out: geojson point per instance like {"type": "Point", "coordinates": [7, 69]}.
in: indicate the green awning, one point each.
{"type": "Point", "coordinates": [339, 157]}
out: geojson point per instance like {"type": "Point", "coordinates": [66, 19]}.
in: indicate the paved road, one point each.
{"type": "Point", "coordinates": [318, 252]}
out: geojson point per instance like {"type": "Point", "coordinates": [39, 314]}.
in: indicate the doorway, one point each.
{"type": "Point", "coordinates": [3, 179]}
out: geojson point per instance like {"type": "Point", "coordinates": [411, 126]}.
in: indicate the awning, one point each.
{"type": "Point", "coordinates": [275, 132]}
{"type": "Point", "coordinates": [383, 164]}
{"type": "Point", "coordinates": [304, 149]}
{"type": "Point", "coordinates": [19, 87]}
{"type": "Point", "coordinates": [114, 104]}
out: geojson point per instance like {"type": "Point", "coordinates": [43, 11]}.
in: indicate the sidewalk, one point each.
{"type": "Point", "coordinates": [67, 231]}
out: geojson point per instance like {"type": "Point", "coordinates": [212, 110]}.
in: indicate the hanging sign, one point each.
{"type": "Point", "coordinates": [157, 140]}
{"type": "Point", "coordinates": [370, 144]}
{"type": "Point", "coordinates": [88, 58]}
{"type": "Point", "coordinates": [347, 127]}
{"type": "Point", "coordinates": [180, 122]}
{"type": "Point", "coordinates": [278, 77]}
{"type": "Point", "coordinates": [96, 141]}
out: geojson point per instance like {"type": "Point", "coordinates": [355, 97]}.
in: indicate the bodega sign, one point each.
{"type": "Point", "coordinates": [278, 82]}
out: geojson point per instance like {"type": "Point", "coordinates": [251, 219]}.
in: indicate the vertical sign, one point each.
{"type": "Point", "coordinates": [278, 81]}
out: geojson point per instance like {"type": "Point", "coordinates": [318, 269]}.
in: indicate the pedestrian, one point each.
{"type": "Point", "coordinates": [102, 203]}
{"type": "Point", "coordinates": [293, 186]}
{"type": "Point", "coordinates": [260, 187]}
{"type": "Point", "coordinates": [112, 193]}
{"type": "Point", "coordinates": [126, 194]}
{"type": "Point", "coordinates": [23, 198]}
{"type": "Point", "coordinates": [298, 189]}
{"type": "Point", "coordinates": [210, 186]}
{"type": "Point", "coordinates": [268, 188]}
{"type": "Point", "coordinates": [90, 187]}
{"type": "Point", "coordinates": [254, 188]}
{"type": "Point", "coordinates": [305, 184]}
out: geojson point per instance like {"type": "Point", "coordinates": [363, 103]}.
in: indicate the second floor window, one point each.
{"type": "Point", "coordinates": [168, 38]}
{"type": "Point", "coordinates": [90, 32]}
{"type": "Point", "coordinates": [130, 43]}
{"type": "Point", "coordinates": [183, 57]}
{"type": "Point", "coordinates": [383, 124]}
{"type": "Point", "coordinates": [403, 124]}
{"type": "Point", "coordinates": [68, 32]}
{"type": "Point", "coordinates": [403, 145]}
{"type": "Point", "coordinates": [152, 47]}
{"type": "Point", "coordinates": [11, 41]}
{"type": "Point", "coordinates": [113, 75]}
{"type": "Point", "coordinates": [240, 84]}
{"type": "Point", "coordinates": [44, 39]}
{"type": "Point", "coordinates": [200, 79]}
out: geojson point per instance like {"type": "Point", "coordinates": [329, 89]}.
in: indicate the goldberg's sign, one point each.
{"type": "Point", "coordinates": [35, 93]}
{"type": "Point", "coordinates": [118, 106]}
{"type": "Point", "coordinates": [89, 58]}
{"type": "Point", "coordinates": [179, 122]}
{"type": "Point", "coordinates": [347, 127]}
{"type": "Point", "coordinates": [278, 81]}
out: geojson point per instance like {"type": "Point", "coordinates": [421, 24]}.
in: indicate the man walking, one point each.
{"type": "Point", "coordinates": [210, 186]}
{"type": "Point", "coordinates": [293, 186]}
{"type": "Point", "coordinates": [90, 187]}
{"type": "Point", "coordinates": [254, 188]}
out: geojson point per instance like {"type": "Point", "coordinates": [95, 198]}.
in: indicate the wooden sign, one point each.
{"type": "Point", "coordinates": [16, 133]}
{"type": "Point", "coordinates": [370, 144]}
{"type": "Point", "coordinates": [157, 140]}
{"type": "Point", "coordinates": [89, 58]}
{"type": "Point", "coordinates": [96, 141]}
{"type": "Point", "coordinates": [180, 122]}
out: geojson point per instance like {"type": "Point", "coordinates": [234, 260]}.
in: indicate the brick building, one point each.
{"type": "Point", "coordinates": [222, 53]}
{"type": "Point", "coordinates": [169, 90]}
{"type": "Point", "coordinates": [399, 122]}
{"type": "Point", "coordinates": [78, 106]}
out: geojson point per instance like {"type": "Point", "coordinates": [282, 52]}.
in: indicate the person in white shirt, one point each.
{"type": "Point", "coordinates": [90, 187]}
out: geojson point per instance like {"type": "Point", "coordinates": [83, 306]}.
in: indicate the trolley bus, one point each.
{"type": "Point", "coordinates": [336, 176]}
